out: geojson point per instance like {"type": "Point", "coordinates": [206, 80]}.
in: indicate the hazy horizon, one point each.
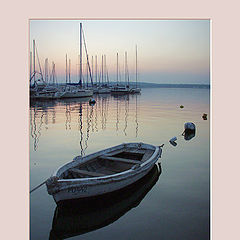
{"type": "Point", "coordinates": [169, 51]}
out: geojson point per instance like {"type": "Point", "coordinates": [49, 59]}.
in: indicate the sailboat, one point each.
{"type": "Point", "coordinates": [35, 77]}
{"type": "Point", "coordinates": [118, 89]}
{"type": "Point", "coordinates": [104, 88]}
{"type": "Point", "coordinates": [76, 91]}
{"type": "Point", "coordinates": [136, 89]}
{"type": "Point", "coordinates": [40, 89]}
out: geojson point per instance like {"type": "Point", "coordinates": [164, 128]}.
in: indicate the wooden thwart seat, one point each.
{"type": "Point", "coordinates": [119, 159]}
{"type": "Point", "coordinates": [129, 150]}
{"type": "Point", "coordinates": [88, 173]}
{"type": "Point", "coordinates": [147, 155]}
{"type": "Point", "coordinates": [114, 152]}
{"type": "Point", "coordinates": [137, 151]}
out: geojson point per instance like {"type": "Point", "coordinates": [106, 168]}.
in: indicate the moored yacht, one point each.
{"type": "Point", "coordinates": [73, 91]}
{"type": "Point", "coordinates": [136, 89]}
{"type": "Point", "coordinates": [119, 89]}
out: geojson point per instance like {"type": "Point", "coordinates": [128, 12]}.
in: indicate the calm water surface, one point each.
{"type": "Point", "coordinates": [171, 203]}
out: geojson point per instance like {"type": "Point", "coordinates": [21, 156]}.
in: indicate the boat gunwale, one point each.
{"type": "Point", "coordinates": [156, 153]}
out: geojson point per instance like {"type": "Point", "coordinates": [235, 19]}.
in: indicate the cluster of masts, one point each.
{"type": "Point", "coordinates": [46, 87]}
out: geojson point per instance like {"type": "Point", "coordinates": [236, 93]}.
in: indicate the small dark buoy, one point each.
{"type": "Point", "coordinates": [189, 136]}
{"type": "Point", "coordinates": [181, 106]}
{"type": "Point", "coordinates": [172, 141]}
{"type": "Point", "coordinates": [189, 127]}
{"type": "Point", "coordinates": [189, 130]}
{"type": "Point", "coordinates": [92, 101]}
{"type": "Point", "coordinates": [204, 116]}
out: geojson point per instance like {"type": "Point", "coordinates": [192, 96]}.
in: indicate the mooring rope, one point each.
{"type": "Point", "coordinates": [38, 186]}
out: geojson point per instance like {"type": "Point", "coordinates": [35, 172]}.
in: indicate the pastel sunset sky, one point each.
{"type": "Point", "coordinates": [169, 51]}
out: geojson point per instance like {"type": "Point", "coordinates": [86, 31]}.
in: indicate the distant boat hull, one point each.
{"type": "Point", "coordinates": [120, 90]}
{"type": "Point", "coordinates": [104, 90]}
{"type": "Point", "coordinates": [47, 95]}
{"type": "Point", "coordinates": [77, 94]}
{"type": "Point", "coordinates": [135, 90]}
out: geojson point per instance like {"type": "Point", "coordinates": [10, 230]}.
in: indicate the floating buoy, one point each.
{"type": "Point", "coordinates": [181, 106]}
{"type": "Point", "coordinates": [204, 116]}
{"type": "Point", "coordinates": [172, 141]}
{"type": "Point", "coordinates": [189, 130]}
{"type": "Point", "coordinates": [189, 136]}
{"type": "Point", "coordinates": [189, 127]}
{"type": "Point", "coordinates": [92, 101]}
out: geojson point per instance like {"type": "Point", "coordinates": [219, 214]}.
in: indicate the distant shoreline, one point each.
{"type": "Point", "coordinates": [162, 85]}
{"type": "Point", "coordinates": [158, 85]}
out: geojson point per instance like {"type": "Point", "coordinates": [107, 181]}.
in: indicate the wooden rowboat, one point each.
{"type": "Point", "coordinates": [102, 172]}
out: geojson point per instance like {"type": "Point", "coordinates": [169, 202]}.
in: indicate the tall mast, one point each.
{"type": "Point", "coordinates": [136, 66]}
{"type": "Point", "coordinates": [92, 67]}
{"type": "Point", "coordinates": [99, 77]}
{"type": "Point", "coordinates": [102, 69]}
{"type": "Point", "coordinates": [46, 70]}
{"type": "Point", "coordinates": [80, 72]}
{"type": "Point", "coordinates": [53, 75]}
{"type": "Point", "coordinates": [34, 70]}
{"type": "Point", "coordinates": [96, 68]}
{"type": "Point", "coordinates": [127, 71]}
{"type": "Point", "coordinates": [87, 73]}
{"type": "Point", "coordinates": [117, 69]}
{"type": "Point", "coordinates": [30, 66]}
{"type": "Point", "coordinates": [50, 78]}
{"type": "Point", "coordinates": [40, 69]}
{"type": "Point", "coordinates": [69, 70]}
{"type": "Point", "coordinates": [90, 72]}
{"type": "Point", "coordinates": [125, 67]}
{"type": "Point", "coordinates": [54, 72]}
{"type": "Point", "coordinates": [105, 78]}
{"type": "Point", "coordinates": [66, 69]}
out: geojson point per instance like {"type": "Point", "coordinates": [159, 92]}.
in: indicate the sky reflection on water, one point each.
{"type": "Point", "coordinates": [177, 207]}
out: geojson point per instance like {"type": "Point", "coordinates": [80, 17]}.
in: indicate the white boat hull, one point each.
{"type": "Point", "coordinates": [103, 90]}
{"type": "Point", "coordinates": [77, 94]}
{"type": "Point", "coordinates": [47, 96]}
{"type": "Point", "coordinates": [120, 90]}
{"type": "Point", "coordinates": [135, 90]}
{"type": "Point", "coordinates": [92, 188]}
{"type": "Point", "coordinates": [67, 189]}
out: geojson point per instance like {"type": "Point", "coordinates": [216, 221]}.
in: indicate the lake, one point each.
{"type": "Point", "coordinates": [172, 202]}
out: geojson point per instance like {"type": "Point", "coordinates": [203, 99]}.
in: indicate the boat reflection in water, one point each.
{"type": "Point", "coordinates": [189, 136]}
{"type": "Point", "coordinates": [118, 112]}
{"type": "Point", "coordinates": [81, 216]}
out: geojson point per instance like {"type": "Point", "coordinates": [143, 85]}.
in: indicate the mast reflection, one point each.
{"type": "Point", "coordinates": [68, 117]}
{"type": "Point", "coordinates": [80, 129]}
{"type": "Point", "coordinates": [39, 114]}
{"type": "Point", "coordinates": [136, 119]}
{"type": "Point", "coordinates": [77, 115]}
{"type": "Point", "coordinates": [126, 114]}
